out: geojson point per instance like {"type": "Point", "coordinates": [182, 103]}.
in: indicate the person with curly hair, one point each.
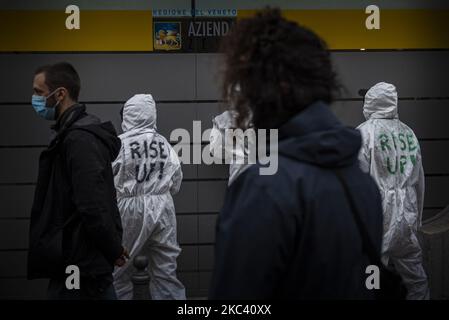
{"type": "Point", "coordinates": [293, 234]}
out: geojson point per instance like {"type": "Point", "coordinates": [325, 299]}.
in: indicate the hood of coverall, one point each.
{"type": "Point", "coordinates": [381, 102]}
{"type": "Point", "coordinates": [139, 112]}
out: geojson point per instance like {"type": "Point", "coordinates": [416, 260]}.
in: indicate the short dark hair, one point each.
{"type": "Point", "coordinates": [274, 68]}
{"type": "Point", "coordinates": [61, 74]}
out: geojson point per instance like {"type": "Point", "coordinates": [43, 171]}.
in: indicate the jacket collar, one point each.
{"type": "Point", "coordinates": [316, 117]}
{"type": "Point", "coordinates": [69, 117]}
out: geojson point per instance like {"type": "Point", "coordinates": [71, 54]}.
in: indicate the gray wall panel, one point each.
{"type": "Point", "coordinates": [186, 200]}
{"type": "Point", "coordinates": [23, 289]}
{"type": "Point", "coordinates": [434, 155]}
{"type": "Point", "coordinates": [189, 171]}
{"type": "Point", "coordinates": [196, 228]}
{"type": "Point", "coordinates": [427, 118]}
{"type": "Point", "coordinates": [208, 81]}
{"type": "Point", "coordinates": [349, 112]}
{"type": "Point", "coordinates": [35, 131]}
{"type": "Point", "coordinates": [196, 258]}
{"type": "Point", "coordinates": [14, 234]}
{"type": "Point", "coordinates": [430, 213]}
{"type": "Point", "coordinates": [169, 116]}
{"type": "Point", "coordinates": [208, 111]}
{"type": "Point", "coordinates": [107, 112]}
{"type": "Point", "coordinates": [213, 171]}
{"type": "Point", "coordinates": [422, 74]}
{"type": "Point", "coordinates": [191, 281]}
{"type": "Point", "coordinates": [437, 192]}
{"type": "Point", "coordinates": [174, 116]}
{"type": "Point", "coordinates": [206, 228]}
{"type": "Point", "coordinates": [32, 130]}
{"type": "Point", "coordinates": [187, 228]}
{"type": "Point", "coordinates": [116, 77]}
{"type": "Point", "coordinates": [188, 259]}
{"type": "Point", "coordinates": [13, 264]}
{"type": "Point", "coordinates": [206, 257]}
{"type": "Point", "coordinates": [205, 280]}
{"type": "Point", "coordinates": [211, 195]}
{"type": "Point", "coordinates": [20, 165]}
{"type": "Point", "coordinates": [105, 77]}
{"type": "Point", "coordinates": [415, 73]}
{"type": "Point", "coordinates": [16, 201]}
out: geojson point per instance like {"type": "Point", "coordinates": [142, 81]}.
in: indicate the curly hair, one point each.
{"type": "Point", "coordinates": [273, 69]}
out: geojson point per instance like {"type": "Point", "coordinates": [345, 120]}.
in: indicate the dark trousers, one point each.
{"type": "Point", "coordinates": [98, 288]}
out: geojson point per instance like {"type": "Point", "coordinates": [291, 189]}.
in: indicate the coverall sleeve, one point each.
{"type": "Point", "coordinates": [365, 152]}
{"type": "Point", "coordinates": [217, 137]}
{"type": "Point", "coordinates": [87, 166]}
{"type": "Point", "coordinates": [176, 179]}
{"type": "Point", "coordinates": [420, 191]}
{"type": "Point", "coordinates": [117, 164]}
{"type": "Point", "coordinates": [217, 143]}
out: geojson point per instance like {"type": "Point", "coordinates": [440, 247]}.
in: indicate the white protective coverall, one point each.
{"type": "Point", "coordinates": [391, 154]}
{"type": "Point", "coordinates": [236, 155]}
{"type": "Point", "coordinates": [147, 172]}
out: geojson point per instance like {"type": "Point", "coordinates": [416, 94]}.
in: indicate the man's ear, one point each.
{"type": "Point", "coordinates": [62, 94]}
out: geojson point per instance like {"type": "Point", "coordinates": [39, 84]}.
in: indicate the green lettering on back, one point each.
{"type": "Point", "coordinates": [390, 170]}
{"type": "Point", "coordinates": [411, 142]}
{"type": "Point", "coordinates": [402, 163]}
{"type": "Point", "coordinates": [402, 141]}
{"type": "Point", "coordinates": [413, 159]}
{"type": "Point", "coordinates": [384, 142]}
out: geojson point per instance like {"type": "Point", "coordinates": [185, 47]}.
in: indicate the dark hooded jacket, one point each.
{"type": "Point", "coordinates": [292, 235]}
{"type": "Point", "coordinates": [74, 217]}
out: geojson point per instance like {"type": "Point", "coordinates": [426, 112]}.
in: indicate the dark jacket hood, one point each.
{"type": "Point", "coordinates": [76, 118]}
{"type": "Point", "coordinates": [106, 133]}
{"type": "Point", "coordinates": [315, 135]}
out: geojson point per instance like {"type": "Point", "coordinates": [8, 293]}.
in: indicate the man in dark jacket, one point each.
{"type": "Point", "coordinates": [74, 220]}
{"type": "Point", "coordinates": [293, 235]}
